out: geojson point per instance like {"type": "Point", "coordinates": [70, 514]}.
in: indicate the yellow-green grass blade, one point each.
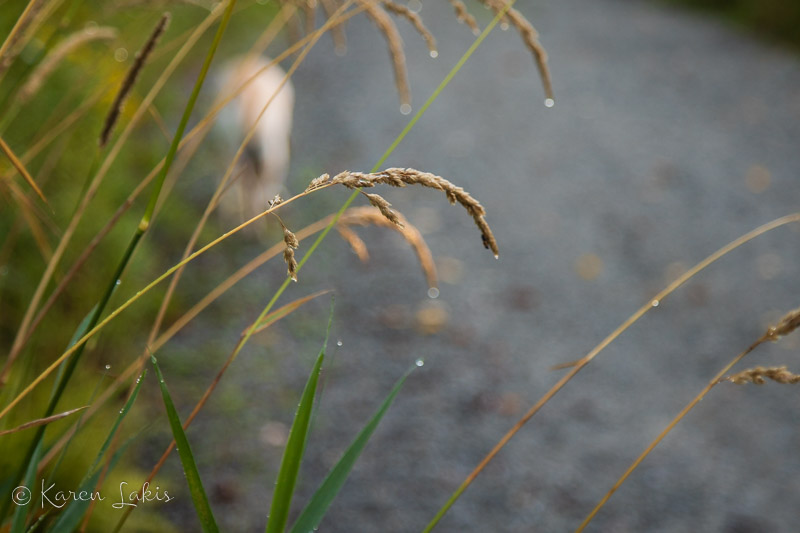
{"type": "Point", "coordinates": [196, 489]}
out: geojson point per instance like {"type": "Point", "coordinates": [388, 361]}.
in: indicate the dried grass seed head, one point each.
{"type": "Point", "coordinates": [400, 177]}
{"type": "Point", "coordinates": [465, 17]}
{"type": "Point", "coordinates": [130, 78]}
{"type": "Point", "coordinates": [388, 28]}
{"type": "Point", "coordinates": [531, 39]}
{"type": "Point", "coordinates": [787, 324]}
{"type": "Point", "coordinates": [416, 21]}
{"type": "Point", "coordinates": [385, 208]}
{"type": "Point", "coordinates": [757, 375]}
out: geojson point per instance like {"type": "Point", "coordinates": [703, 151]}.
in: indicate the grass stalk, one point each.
{"type": "Point", "coordinates": [581, 363]}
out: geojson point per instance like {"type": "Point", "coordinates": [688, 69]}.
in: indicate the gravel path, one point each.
{"type": "Point", "coordinates": [671, 136]}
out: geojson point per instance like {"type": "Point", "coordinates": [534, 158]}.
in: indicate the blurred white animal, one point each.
{"type": "Point", "coordinates": [264, 164]}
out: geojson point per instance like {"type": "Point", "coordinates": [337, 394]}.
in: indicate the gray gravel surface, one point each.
{"type": "Point", "coordinates": [671, 136]}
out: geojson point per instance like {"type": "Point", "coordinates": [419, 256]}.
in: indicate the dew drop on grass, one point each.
{"type": "Point", "coordinates": [118, 282]}
{"type": "Point", "coordinates": [120, 54]}
{"type": "Point", "coordinates": [108, 367]}
{"type": "Point", "coordinates": [419, 362]}
{"type": "Point", "coordinates": [549, 102]}
{"type": "Point", "coordinates": [434, 54]}
{"type": "Point", "coordinates": [339, 343]}
{"type": "Point", "coordinates": [504, 26]}
{"type": "Point", "coordinates": [415, 6]}
{"type": "Point", "coordinates": [433, 293]}
{"type": "Point", "coordinates": [655, 303]}
{"type": "Point", "coordinates": [405, 109]}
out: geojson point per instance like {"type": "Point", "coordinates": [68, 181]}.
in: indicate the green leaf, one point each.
{"type": "Point", "coordinates": [315, 510]}
{"type": "Point", "coordinates": [196, 489]}
{"type": "Point", "coordinates": [293, 454]}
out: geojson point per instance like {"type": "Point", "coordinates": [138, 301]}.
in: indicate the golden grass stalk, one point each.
{"type": "Point", "coordinates": [531, 39]}
{"type": "Point", "coordinates": [42, 421]}
{"type": "Point", "coordinates": [57, 55]}
{"type": "Point", "coordinates": [577, 366]}
{"type": "Point", "coordinates": [8, 50]}
{"type": "Point", "coordinates": [400, 177]}
{"type": "Point", "coordinates": [787, 324]}
{"type": "Point", "coordinates": [6, 149]}
{"type": "Point", "coordinates": [757, 375]}
{"type": "Point", "coordinates": [365, 216]}
{"type": "Point", "coordinates": [416, 21]}
{"type": "Point", "coordinates": [465, 17]}
{"type": "Point", "coordinates": [358, 246]}
{"type": "Point", "coordinates": [388, 28]}
{"type": "Point", "coordinates": [337, 32]}
{"type": "Point", "coordinates": [310, 14]}
{"type": "Point", "coordinates": [130, 78]}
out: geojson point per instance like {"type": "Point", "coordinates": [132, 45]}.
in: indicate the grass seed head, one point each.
{"type": "Point", "coordinates": [757, 375]}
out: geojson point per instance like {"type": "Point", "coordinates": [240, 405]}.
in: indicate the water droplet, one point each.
{"type": "Point", "coordinates": [434, 54]}
{"type": "Point", "coordinates": [108, 367]}
{"type": "Point", "coordinates": [405, 109]}
{"type": "Point", "coordinates": [415, 6]}
{"type": "Point", "coordinates": [339, 343]}
{"type": "Point", "coordinates": [549, 102]}
{"type": "Point", "coordinates": [476, 32]}
{"type": "Point", "coordinates": [433, 293]}
{"type": "Point", "coordinates": [496, 256]}
{"type": "Point", "coordinates": [117, 282]}
{"type": "Point", "coordinates": [120, 54]}
{"type": "Point", "coordinates": [120, 411]}
{"type": "Point", "coordinates": [504, 26]}
{"type": "Point", "coordinates": [419, 362]}
{"type": "Point", "coordinates": [655, 303]}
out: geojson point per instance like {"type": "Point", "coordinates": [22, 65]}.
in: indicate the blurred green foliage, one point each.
{"type": "Point", "coordinates": [776, 20]}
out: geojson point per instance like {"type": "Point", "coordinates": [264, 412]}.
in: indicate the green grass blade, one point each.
{"type": "Point", "coordinates": [20, 515]}
{"type": "Point", "coordinates": [70, 518]}
{"type": "Point", "coordinates": [293, 454]}
{"type": "Point", "coordinates": [314, 512]}
{"type": "Point", "coordinates": [196, 489]}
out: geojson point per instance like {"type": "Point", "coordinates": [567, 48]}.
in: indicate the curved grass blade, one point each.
{"type": "Point", "coordinates": [199, 497]}
{"type": "Point", "coordinates": [293, 455]}
{"type": "Point", "coordinates": [314, 512]}
{"type": "Point", "coordinates": [42, 421]}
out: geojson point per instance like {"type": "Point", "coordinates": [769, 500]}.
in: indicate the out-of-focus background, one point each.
{"type": "Point", "coordinates": [675, 130]}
